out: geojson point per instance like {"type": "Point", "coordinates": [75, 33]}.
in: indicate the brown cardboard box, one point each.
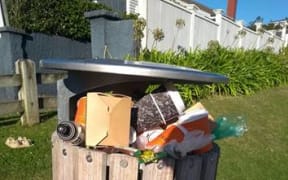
{"type": "Point", "coordinates": [108, 119]}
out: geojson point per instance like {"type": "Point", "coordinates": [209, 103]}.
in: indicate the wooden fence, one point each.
{"type": "Point", "coordinates": [27, 80]}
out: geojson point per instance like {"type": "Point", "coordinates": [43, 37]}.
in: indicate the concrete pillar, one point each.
{"type": "Point", "coordinates": [284, 29]}
{"type": "Point", "coordinates": [143, 11]}
{"type": "Point", "coordinates": [192, 29]}
{"type": "Point", "coordinates": [258, 26]}
{"type": "Point", "coordinates": [111, 37]}
{"type": "Point", "coordinates": [259, 31]}
{"type": "Point", "coordinates": [240, 36]}
{"type": "Point", "coordinates": [286, 40]}
{"type": "Point", "coordinates": [139, 7]}
{"type": "Point", "coordinates": [218, 19]}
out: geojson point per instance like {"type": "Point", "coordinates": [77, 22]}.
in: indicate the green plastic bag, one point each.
{"type": "Point", "coordinates": [229, 126]}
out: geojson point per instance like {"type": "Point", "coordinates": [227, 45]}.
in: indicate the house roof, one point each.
{"type": "Point", "coordinates": [201, 6]}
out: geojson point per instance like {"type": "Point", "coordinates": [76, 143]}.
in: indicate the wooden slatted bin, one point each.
{"type": "Point", "coordinates": [77, 163]}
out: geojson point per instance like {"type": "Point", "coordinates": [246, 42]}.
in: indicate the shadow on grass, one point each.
{"type": "Point", "coordinates": [44, 116]}
{"type": "Point", "coordinates": [10, 121]}
{"type": "Point", "coordinates": [15, 118]}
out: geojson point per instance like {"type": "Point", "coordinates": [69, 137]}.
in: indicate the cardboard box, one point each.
{"type": "Point", "coordinates": [108, 119]}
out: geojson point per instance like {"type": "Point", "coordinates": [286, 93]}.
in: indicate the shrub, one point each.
{"type": "Point", "coordinates": [56, 17]}
{"type": "Point", "coordinates": [248, 70]}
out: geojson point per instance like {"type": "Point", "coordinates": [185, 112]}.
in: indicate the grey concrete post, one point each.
{"type": "Point", "coordinates": [111, 37]}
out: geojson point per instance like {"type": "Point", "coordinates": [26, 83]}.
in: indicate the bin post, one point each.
{"type": "Point", "coordinates": [74, 162]}
{"type": "Point", "coordinates": [111, 36]}
{"type": "Point", "coordinates": [122, 77]}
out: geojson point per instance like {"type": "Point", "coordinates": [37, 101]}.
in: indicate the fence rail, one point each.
{"type": "Point", "coordinates": [11, 107]}
{"type": "Point", "coordinates": [29, 103]}
{"type": "Point", "coordinates": [10, 80]}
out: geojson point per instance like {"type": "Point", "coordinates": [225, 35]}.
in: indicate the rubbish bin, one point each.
{"type": "Point", "coordinates": [130, 78]}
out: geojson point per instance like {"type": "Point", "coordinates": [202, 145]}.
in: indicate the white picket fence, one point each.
{"type": "Point", "coordinates": [199, 29]}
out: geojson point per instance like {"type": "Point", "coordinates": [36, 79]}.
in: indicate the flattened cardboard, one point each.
{"type": "Point", "coordinates": [108, 119]}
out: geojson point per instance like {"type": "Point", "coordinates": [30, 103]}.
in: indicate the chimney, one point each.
{"type": "Point", "coordinates": [231, 9]}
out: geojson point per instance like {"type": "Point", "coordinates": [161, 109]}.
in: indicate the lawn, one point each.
{"type": "Point", "coordinates": [260, 154]}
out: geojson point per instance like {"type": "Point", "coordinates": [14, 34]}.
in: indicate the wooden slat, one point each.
{"type": "Point", "coordinates": [209, 164]}
{"type": "Point", "coordinates": [163, 170]}
{"type": "Point", "coordinates": [189, 168]}
{"type": "Point", "coordinates": [10, 80]}
{"type": "Point", "coordinates": [73, 162]}
{"type": "Point", "coordinates": [69, 160]}
{"type": "Point", "coordinates": [90, 164]}
{"type": "Point", "coordinates": [28, 91]}
{"type": "Point", "coordinates": [50, 78]}
{"type": "Point", "coordinates": [10, 107]}
{"type": "Point", "coordinates": [57, 162]}
{"type": "Point", "coordinates": [122, 167]}
{"type": "Point", "coordinates": [64, 160]}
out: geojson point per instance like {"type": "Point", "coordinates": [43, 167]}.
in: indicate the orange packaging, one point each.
{"type": "Point", "coordinates": [80, 115]}
{"type": "Point", "coordinates": [194, 120]}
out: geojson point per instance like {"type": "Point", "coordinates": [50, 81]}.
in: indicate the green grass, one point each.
{"type": "Point", "coordinates": [261, 154]}
{"type": "Point", "coordinates": [28, 163]}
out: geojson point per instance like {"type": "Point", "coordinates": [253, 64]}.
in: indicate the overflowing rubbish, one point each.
{"type": "Point", "coordinates": [149, 128]}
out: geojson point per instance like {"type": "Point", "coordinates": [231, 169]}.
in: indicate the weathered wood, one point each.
{"type": "Point", "coordinates": [28, 91]}
{"type": "Point", "coordinates": [209, 163]}
{"type": "Point", "coordinates": [50, 78]}
{"type": "Point", "coordinates": [64, 160]}
{"type": "Point", "coordinates": [57, 162]}
{"type": "Point", "coordinates": [10, 80]}
{"type": "Point", "coordinates": [90, 164]}
{"type": "Point", "coordinates": [10, 107]}
{"type": "Point", "coordinates": [189, 168]}
{"type": "Point", "coordinates": [163, 169]}
{"type": "Point", "coordinates": [122, 167]}
{"type": "Point", "coordinates": [73, 162]}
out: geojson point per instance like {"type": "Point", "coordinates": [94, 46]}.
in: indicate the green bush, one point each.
{"type": "Point", "coordinates": [55, 17]}
{"type": "Point", "coordinates": [248, 70]}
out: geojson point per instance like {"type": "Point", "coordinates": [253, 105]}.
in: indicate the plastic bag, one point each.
{"type": "Point", "coordinates": [143, 139]}
{"type": "Point", "coordinates": [193, 140]}
{"type": "Point", "coordinates": [229, 126]}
